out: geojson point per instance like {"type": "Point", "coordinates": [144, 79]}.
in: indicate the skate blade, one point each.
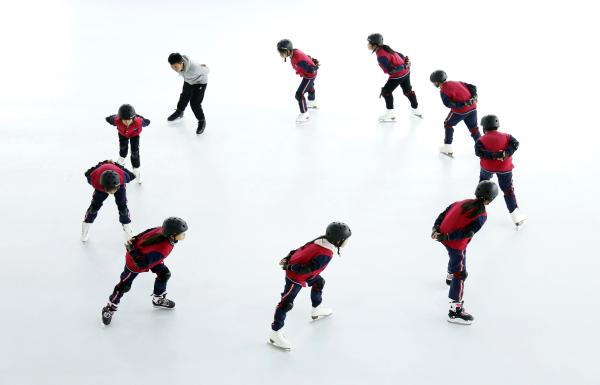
{"type": "Point", "coordinates": [316, 318]}
{"type": "Point", "coordinates": [270, 342]}
{"type": "Point", "coordinates": [162, 307]}
{"type": "Point", "coordinates": [448, 155]}
{"type": "Point", "coordinates": [459, 321]}
{"type": "Point", "coordinates": [387, 120]}
{"type": "Point", "coordinates": [519, 226]}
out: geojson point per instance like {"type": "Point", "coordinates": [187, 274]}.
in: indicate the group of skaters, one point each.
{"type": "Point", "coordinates": [454, 227]}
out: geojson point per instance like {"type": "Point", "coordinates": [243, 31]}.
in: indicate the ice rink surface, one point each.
{"type": "Point", "coordinates": [256, 185]}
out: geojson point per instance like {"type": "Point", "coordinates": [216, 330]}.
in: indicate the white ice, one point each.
{"type": "Point", "coordinates": [256, 185]}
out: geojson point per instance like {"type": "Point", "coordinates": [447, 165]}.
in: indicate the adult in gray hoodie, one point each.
{"type": "Point", "coordinates": [195, 79]}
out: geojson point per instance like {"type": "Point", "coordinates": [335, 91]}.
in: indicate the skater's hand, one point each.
{"type": "Point", "coordinates": [434, 234]}
{"type": "Point", "coordinates": [407, 62]}
{"type": "Point", "coordinates": [440, 237]}
{"type": "Point", "coordinates": [501, 156]}
{"type": "Point", "coordinates": [284, 263]}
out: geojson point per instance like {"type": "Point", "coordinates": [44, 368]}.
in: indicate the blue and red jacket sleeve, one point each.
{"type": "Point", "coordinates": [468, 231]}
{"type": "Point", "coordinates": [306, 67]}
{"type": "Point", "coordinates": [145, 122]}
{"type": "Point", "coordinates": [513, 145]}
{"type": "Point", "coordinates": [384, 63]}
{"type": "Point", "coordinates": [315, 264]}
{"type": "Point", "coordinates": [111, 119]}
{"type": "Point", "coordinates": [145, 260]}
{"type": "Point", "coordinates": [440, 218]}
{"type": "Point", "coordinates": [481, 152]}
{"type": "Point", "coordinates": [447, 102]}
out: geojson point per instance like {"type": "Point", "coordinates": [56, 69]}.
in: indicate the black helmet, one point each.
{"type": "Point", "coordinates": [486, 190]}
{"type": "Point", "coordinates": [490, 121]}
{"type": "Point", "coordinates": [438, 76]}
{"type": "Point", "coordinates": [110, 180]}
{"type": "Point", "coordinates": [284, 45]}
{"type": "Point", "coordinates": [337, 232]}
{"type": "Point", "coordinates": [174, 226]}
{"type": "Point", "coordinates": [375, 39]}
{"type": "Point", "coordinates": [126, 112]}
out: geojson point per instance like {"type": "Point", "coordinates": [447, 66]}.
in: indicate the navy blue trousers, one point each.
{"type": "Point", "coordinates": [393, 83]}
{"type": "Point", "coordinates": [127, 276]}
{"type": "Point", "coordinates": [457, 266]}
{"type": "Point", "coordinates": [135, 149]}
{"type": "Point", "coordinates": [506, 185]}
{"type": "Point", "coordinates": [98, 199]}
{"type": "Point", "coordinates": [290, 291]}
{"type": "Point", "coordinates": [470, 119]}
{"type": "Point", "coordinates": [306, 86]}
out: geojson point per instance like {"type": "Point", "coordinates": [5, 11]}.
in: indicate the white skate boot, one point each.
{"type": "Point", "coordinates": [519, 219]}
{"type": "Point", "coordinates": [417, 113]}
{"type": "Point", "coordinates": [85, 231]}
{"type": "Point", "coordinates": [121, 161]}
{"type": "Point", "coordinates": [458, 315]}
{"type": "Point", "coordinates": [447, 150]}
{"type": "Point", "coordinates": [138, 175]}
{"type": "Point", "coordinates": [277, 339]}
{"type": "Point", "coordinates": [303, 117]}
{"type": "Point", "coordinates": [127, 231]}
{"type": "Point", "coordinates": [388, 116]}
{"type": "Point", "coordinates": [320, 312]}
{"type": "Point", "coordinates": [311, 104]}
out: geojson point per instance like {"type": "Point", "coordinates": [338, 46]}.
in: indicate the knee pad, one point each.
{"type": "Point", "coordinates": [409, 93]}
{"type": "Point", "coordinates": [385, 92]}
{"type": "Point", "coordinates": [286, 306]}
{"type": "Point", "coordinates": [462, 275]}
{"type": "Point", "coordinates": [164, 277]}
{"type": "Point", "coordinates": [319, 285]}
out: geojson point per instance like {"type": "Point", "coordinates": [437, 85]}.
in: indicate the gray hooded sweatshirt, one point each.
{"type": "Point", "coordinates": [194, 73]}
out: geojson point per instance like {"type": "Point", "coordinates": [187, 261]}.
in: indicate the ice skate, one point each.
{"type": "Point", "coordinates": [138, 175]}
{"type": "Point", "coordinates": [303, 117]}
{"type": "Point", "coordinates": [449, 277]}
{"type": "Point", "coordinates": [107, 313]}
{"type": "Point", "coordinates": [388, 116]}
{"type": "Point", "coordinates": [320, 312]}
{"type": "Point", "coordinates": [277, 339]}
{"type": "Point", "coordinates": [519, 219]}
{"type": "Point", "coordinates": [127, 231]}
{"type": "Point", "coordinates": [201, 127]}
{"type": "Point", "coordinates": [161, 301]}
{"type": "Point", "coordinates": [447, 150]}
{"type": "Point", "coordinates": [121, 161]}
{"type": "Point", "coordinates": [311, 104]}
{"type": "Point", "coordinates": [175, 115]}
{"type": "Point", "coordinates": [85, 231]}
{"type": "Point", "coordinates": [416, 112]}
{"type": "Point", "coordinates": [457, 315]}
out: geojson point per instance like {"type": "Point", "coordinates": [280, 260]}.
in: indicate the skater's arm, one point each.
{"type": "Point", "coordinates": [145, 122]}
{"type": "Point", "coordinates": [384, 63]}
{"type": "Point", "coordinates": [440, 218]}
{"type": "Point", "coordinates": [306, 67]}
{"type": "Point", "coordinates": [129, 176]}
{"type": "Point", "coordinates": [481, 152]}
{"type": "Point", "coordinates": [468, 231]}
{"type": "Point", "coordinates": [513, 145]}
{"type": "Point", "coordinates": [317, 263]}
{"type": "Point", "coordinates": [145, 260]}
{"type": "Point", "coordinates": [111, 120]}
{"type": "Point", "coordinates": [447, 102]}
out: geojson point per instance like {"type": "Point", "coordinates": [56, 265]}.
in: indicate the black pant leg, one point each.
{"type": "Point", "coordinates": [290, 291]}
{"type": "Point", "coordinates": [163, 274]}
{"type": "Point", "coordinates": [408, 91]}
{"type": "Point", "coordinates": [97, 199]}
{"type": "Point", "coordinates": [387, 92]}
{"type": "Point", "coordinates": [135, 151]}
{"type": "Point", "coordinates": [124, 285]}
{"type": "Point", "coordinates": [184, 98]}
{"type": "Point", "coordinates": [123, 146]}
{"type": "Point", "coordinates": [121, 201]}
{"type": "Point", "coordinates": [196, 100]}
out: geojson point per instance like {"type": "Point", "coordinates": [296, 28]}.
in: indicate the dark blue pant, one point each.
{"type": "Point", "coordinates": [194, 95]}
{"type": "Point", "coordinates": [389, 87]}
{"type": "Point", "coordinates": [127, 276]}
{"type": "Point", "coordinates": [506, 185]}
{"type": "Point", "coordinates": [470, 119]}
{"type": "Point", "coordinates": [98, 199]}
{"type": "Point", "coordinates": [306, 85]}
{"type": "Point", "coordinates": [135, 149]}
{"type": "Point", "coordinates": [290, 291]}
{"type": "Point", "coordinates": [457, 266]}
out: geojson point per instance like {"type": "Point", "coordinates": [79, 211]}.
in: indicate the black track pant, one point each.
{"type": "Point", "coordinates": [392, 84]}
{"type": "Point", "coordinates": [194, 95]}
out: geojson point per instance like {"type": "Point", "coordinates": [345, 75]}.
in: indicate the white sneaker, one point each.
{"type": "Point", "coordinates": [85, 231]}
{"type": "Point", "coordinates": [388, 116]}
{"type": "Point", "coordinates": [446, 149]}
{"type": "Point", "coordinates": [417, 113]}
{"type": "Point", "coordinates": [303, 117]}
{"type": "Point", "coordinates": [278, 339]}
{"type": "Point", "coordinates": [519, 219]}
{"type": "Point", "coordinates": [311, 104]}
{"type": "Point", "coordinates": [320, 312]}
{"type": "Point", "coordinates": [138, 175]}
{"type": "Point", "coordinates": [127, 231]}
{"type": "Point", "coordinates": [121, 161]}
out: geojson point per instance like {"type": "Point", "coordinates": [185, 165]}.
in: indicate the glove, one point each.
{"type": "Point", "coordinates": [440, 237]}
{"type": "Point", "coordinates": [500, 155]}
{"type": "Point", "coordinates": [406, 62]}
{"type": "Point", "coordinates": [284, 263]}
{"type": "Point", "coordinates": [316, 62]}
